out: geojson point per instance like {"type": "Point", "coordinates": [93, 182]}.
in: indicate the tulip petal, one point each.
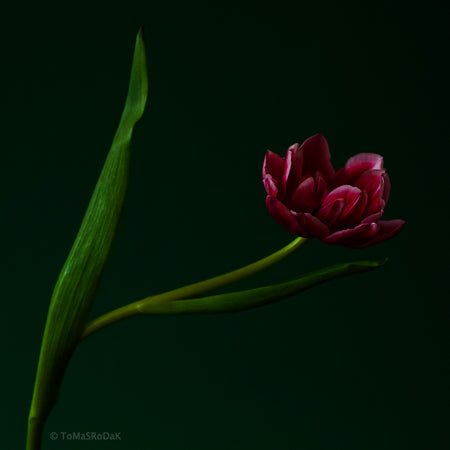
{"type": "Point", "coordinates": [372, 181]}
{"type": "Point", "coordinates": [291, 177]}
{"type": "Point", "coordinates": [352, 214]}
{"type": "Point", "coordinates": [273, 165]}
{"type": "Point", "coordinates": [387, 230]}
{"type": "Point", "coordinates": [300, 199]}
{"type": "Point", "coordinates": [356, 165]}
{"type": "Point", "coordinates": [304, 198]}
{"type": "Point", "coordinates": [297, 159]}
{"type": "Point", "coordinates": [353, 236]}
{"type": "Point", "coordinates": [321, 187]}
{"type": "Point", "coordinates": [313, 226]}
{"type": "Point", "coordinates": [284, 217]}
{"type": "Point", "coordinates": [368, 160]}
{"type": "Point", "coordinates": [373, 217]}
{"type": "Point", "coordinates": [331, 212]}
{"type": "Point", "coordinates": [316, 157]}
{"type": "Point", "coordinates": [355, 204]}
{"type": "Point", "coordinates": [287, 168]}
{"type": "Point", "coordinates": [374, 206]}
{"type": "Point", "coordinates": [271, 185]}
{"type": "Point", "coordinates": [387, 188]}
{"type": "Point", "coordinates": [345, 192]}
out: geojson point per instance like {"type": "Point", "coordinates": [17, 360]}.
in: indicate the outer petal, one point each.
{"type": "Point", "coordinates": [372, 181]}
{"type": "Point", "coordinates": [297, 159]}
{"type": "Point", "coordinates": [287, 168]}
{"type": "Point", "coordinates": [376, 184]}
{"type": "Point", "coordinates": [373, 217]}
{"type": "Point", "coordinates": [313, 226]}
{"type": "Point", "coordinates": [316, 157]}
{"type": "Point", "coordinates": [273, 165]}
{"type": "Point", "coordinates": [284, 217]}
{"type": "Point", "coordinates": [351, 236]}
{"type": "Point", "coordinates": [271, 185]}
{"type": "Point", "coordinates": [291, 178]}
{"type": "Point", "coordinates": [387, 188]}
{"type": "Point", "coordinates": [374, 206]}
{"type": "Point", "coordinates": [356, 165]}
{"type": "Point", "coordinates": [387, 230]}
{"type": "Point", "coordinates": [366, 160]}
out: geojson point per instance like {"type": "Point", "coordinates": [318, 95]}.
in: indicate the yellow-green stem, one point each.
{"type": "Point", "coordinates": [35, 430]}
{"type": "Point", "coordinates": [191, 290]}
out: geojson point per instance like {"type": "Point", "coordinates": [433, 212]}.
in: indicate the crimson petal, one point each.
{"type": "Point", "coordinates": [331, 212]}
{"type": "Point", "coordinates": [297, 159]}
{"type": "Point", "coordinates": [305, 198]}
{"type": "Point", "coordinates": [367, 160]}
{"type": "Point", "coordinates": [287, 168]}
{"type": "Point", "coordinates": [387, 188]}
{"type": "Point", "coordinates": [284, 217]}
{"type": "Point", "coordinates": [375, 205]}
{"type": "Point", "coordinates": [353, 213]}
{"type": "Point", "coordinates": [273, 165]}
{"type": "Point", "coordinates": [346, 192]}
{"type": "Point", "coordinates": [316, 157]}
{"type": "Point", "coordinates": [313, 226]}
{"type": "Point", "coordinates": [387, 230]}
{"type": "Point", "coordinates": [372, 181]}
{"type": "Point", "coordinates": [291, 177]}
{"type": "Point", "coordinates": [373, 217]}
{"type": "Point", "coordinates": [356, 165]}
{"type": "Point", "coordinates": [271, 185]}
{"type": "Point", "coordinates": [351, 236]}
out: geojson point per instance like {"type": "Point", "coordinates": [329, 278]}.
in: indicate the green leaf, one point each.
{"type": "Point", "coordinates": [78, 281]}
{"type": "Point", "coordinates": [253, 298]}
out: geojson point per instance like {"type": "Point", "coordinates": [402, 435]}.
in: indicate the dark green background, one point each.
{"type": "Point", "coordinates": [359, 363]}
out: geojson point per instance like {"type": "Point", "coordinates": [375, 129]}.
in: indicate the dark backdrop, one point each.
{"type": "Point", "coordinates": [359, 363]}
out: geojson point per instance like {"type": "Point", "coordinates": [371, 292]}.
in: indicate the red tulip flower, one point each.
{"type": "Point", "coordinates": [308, 198]}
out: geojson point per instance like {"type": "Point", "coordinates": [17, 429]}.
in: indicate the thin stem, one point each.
{"type": "Point", "coordinates": [192, 290]}
{"type": "Point", "coordinates": [35, 430]}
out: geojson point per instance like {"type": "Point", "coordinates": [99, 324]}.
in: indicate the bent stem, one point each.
{"type": "Point", "coordinates": [192, 290]}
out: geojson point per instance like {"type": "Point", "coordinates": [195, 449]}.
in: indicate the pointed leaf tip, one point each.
{"type": "Point", "coordinates": [253, 298]}
{"type": "Point", "coordinates": [79, 279]}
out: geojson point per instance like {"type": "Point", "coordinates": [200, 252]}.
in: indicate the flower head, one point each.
{"type": "Point", "coordinates": [308, 198]}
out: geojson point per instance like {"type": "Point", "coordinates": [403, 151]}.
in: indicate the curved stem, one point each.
{"type": "Point", "coordinates": [191, 290]}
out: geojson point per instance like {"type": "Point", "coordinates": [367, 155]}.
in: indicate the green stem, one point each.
{"type": "Point", "coordinates": [192, 290]}
{"type": "Point", "coordinates": [35, 430]}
